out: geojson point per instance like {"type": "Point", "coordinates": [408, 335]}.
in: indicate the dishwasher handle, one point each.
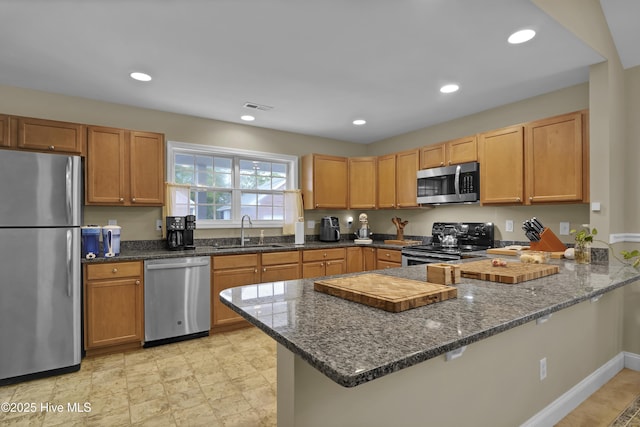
{"type": "Point", "coordinates": [168, 265]}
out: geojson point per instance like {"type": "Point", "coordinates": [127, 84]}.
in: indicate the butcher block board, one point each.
{"type": "Point", "coordinates": [389, 293]}
{"type": "Point", "coordinates": [513, 272]}
{"type": "Point", "coordinates": [403, 242]}
{"type": "Point", "coordinates": [514, 252]}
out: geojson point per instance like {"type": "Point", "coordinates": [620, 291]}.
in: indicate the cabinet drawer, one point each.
{"type": "Point", "coordinates": [273, 258]}
{"type": "Point", "coordinates": [323, 254]}
{"type": "Point", "coordinates": [389, 255]}
{"type": "Point", "coordinates": [234, 261]}
{"type": "Point", "coordinates": [112, 270]}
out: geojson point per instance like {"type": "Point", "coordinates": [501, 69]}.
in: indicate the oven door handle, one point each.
{"type": "Point", "coordinates": [456, 183]}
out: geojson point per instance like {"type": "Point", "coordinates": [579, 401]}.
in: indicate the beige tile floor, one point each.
{"type": "Point", "coordinates": [227, 379]}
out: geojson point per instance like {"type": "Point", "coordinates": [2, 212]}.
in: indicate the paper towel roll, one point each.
{"type": "Point", "coordinates": [299, 233]}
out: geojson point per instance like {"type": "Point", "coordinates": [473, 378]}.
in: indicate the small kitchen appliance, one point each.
{"type": "Point", "coordinates": [329, 229]}
{"type": "Point", "coordinates": [111, 240]}
{"type": "Point", "coordinates": [90, 235]}
{"type": "Point", "coordinates": [363, 235]}
{"type": "Point", "coordinates": [449, 184]}
{"type": "Point", "coordinates": [175, 232]}
{"type": "Point", "coordinates": [450, 241]}
{"type": "Point", "coordinates": [189, 226]}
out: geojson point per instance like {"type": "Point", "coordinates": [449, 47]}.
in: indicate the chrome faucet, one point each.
{"type": "Point", "coordinates": [242, 228]}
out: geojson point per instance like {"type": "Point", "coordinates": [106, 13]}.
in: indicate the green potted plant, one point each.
{"type": "Point", "coordinates": [582, 247]}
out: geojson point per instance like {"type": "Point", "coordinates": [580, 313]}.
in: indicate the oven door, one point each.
{"type": "Point", "coordinates": [424, 258]}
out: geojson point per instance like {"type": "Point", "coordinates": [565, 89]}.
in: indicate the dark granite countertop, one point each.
{"type": "Point", "coordinates": [154, 253]}
{"type": "Point", "coordinates": [352, 343]}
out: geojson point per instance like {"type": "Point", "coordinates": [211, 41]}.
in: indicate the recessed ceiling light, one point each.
{"type": "Point", "coordinates": [359, 122]}
{"type": "Point", "coordinates": [247, 118]}
{"type": "Point", "coordinates": [450, 88]}
{"type": "Point", "coordinates": [521, 36]}
{"type": "Point", "coordinates": [143, 77]}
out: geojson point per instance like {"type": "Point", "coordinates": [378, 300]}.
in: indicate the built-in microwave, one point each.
{"type": "Point", "coordinates": [449, 184]}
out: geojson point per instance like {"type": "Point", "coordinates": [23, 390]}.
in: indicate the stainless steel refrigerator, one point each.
{"type": "Point", "coordinates": [40, 300]}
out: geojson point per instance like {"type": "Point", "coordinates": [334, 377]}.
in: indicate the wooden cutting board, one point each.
{"type": "Point", "coordinates": [514, 252]}
{"type": "Point", "coordinates": [389, 293]}
{"type": "Point", "coordinates": [513, 272]}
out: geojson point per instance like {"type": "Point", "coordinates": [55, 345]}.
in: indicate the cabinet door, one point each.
{"type": "Point", "coordinates": [462, 150]}
{"type": "Point", "coordinates": [146, 168]}
{"type": "Point", "coordinates": [313, 269]}
{"type": "Point", "coordinates": [362, 182]}
{"type": "Point", "coordinates": [355, 262]}
{"type": "Point", "coordinates": [335, 266]}
{"type": "Point", "coordinates": [221, 315]}
{"type": "Point", "coordinates": [274, 273]}
{"type": "Point", "coordinates": [386, 181]}
{"type": "Point", "coordinates": [389, 255]}
{"type": "Point", "coordinates": [386, 264]}
{"type": "Point", "coordinates": [554, 159]}
{"type": "Point", "coordinates": [501, 156]}
{"type": "Point", "coordinates": [407, 163]}
{"type": "Point", "coordinates": [105, 171]}
{"type": "Point", "coordinates": [324, 181]}
{"type": "Point", "coordinates": [5, 140]}
{"type": "Point", "coordinates": [432, 156]}
{"type": "Point", "coordinates": [114, 312]}
{"type": "Point", "coordinates": [369, 258]}
{"type": "Point", "coordinates": [49, 135]}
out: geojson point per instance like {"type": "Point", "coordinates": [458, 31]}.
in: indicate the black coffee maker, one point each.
{"type": "Point", "coordinates": [189, 226]}
{"type": "Point", "coordinates": [175, 232]}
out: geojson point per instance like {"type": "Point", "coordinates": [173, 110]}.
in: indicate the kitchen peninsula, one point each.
{"type": "Point", "coordinates": [473, 360]}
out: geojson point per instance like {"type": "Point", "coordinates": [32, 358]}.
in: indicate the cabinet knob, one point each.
{"type": "Point", "coordinates": [387, 254]}
{"type": "Point", "coordinates": [133, 200]}
{"type": "Point", "coordinates": [449, 161]}
{"type": "Point", "coordinates": [518, 199]}
{"type": "Point", "coordinates": [52, 147]}
{"type": "Point", "coordinates": [115, 270]}
{"type": "Point", "coordinates": [255, 270]}
{"type": "Point", "coordinates": [441, 163]}
{"type": "Point", "coordinates": [122, 199]}
{"type": "Point", "coordinates": [324, 254]}
{"type": "Point", "coordinates": [137, 282]}
{"type": "Point", "coordinates": [531, 198]}
{"type": "Point", "coordinates": [317, 205]}
{"type": "Point", "coordinates": [264, 269]}
{"type": "Point", "coordinates": [322, 264]}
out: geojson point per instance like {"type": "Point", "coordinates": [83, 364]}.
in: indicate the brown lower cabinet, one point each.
{"type": "Point", "coordinates": [323, 262]}
{"type": "Point", "coordinates": [388, 258]}
{"type": "Point", "coordinates": [113, 306]}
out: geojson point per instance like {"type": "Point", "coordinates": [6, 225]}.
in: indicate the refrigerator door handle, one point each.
{"type": "Point", "coordinates": [69, 189]}
{"type": "Point", "coordinates": [69, 262]}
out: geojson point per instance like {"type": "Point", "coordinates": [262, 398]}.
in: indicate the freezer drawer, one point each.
{"type": "Point", "coordinates": [177, 297]}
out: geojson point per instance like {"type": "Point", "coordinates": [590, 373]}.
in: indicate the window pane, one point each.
{"type": "Point", "coordinates": [184, 169]}
{"type": "Point", "coordinates": [265, 213]}
{"type": "Point", "coordinates": [223, 172]}
{"type": "Point", "coordinates": [247, 182]}
{"type": "Point", "coordinates": [223, 165]}
{"type": "Point", "coordinates": [279, 169]}
{"type": "Point", "coordinates": [278, 213]}
{"type": "Point", "coordinates": [204, 171]}
{"type": "Point", "coordinates": [223, 180]}
{"type": "Point", "coordinates": [248, 210]}
{"type": "Point", "coordinates": [249, 199]}
{"type": "Point", "coordinates": [263, 168]}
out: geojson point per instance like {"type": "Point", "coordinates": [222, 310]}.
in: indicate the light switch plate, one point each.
{"type": "Point", "coordinates": [508, 226]}
{"type": "Point", "coordinates": [564, 228]}
{"type": "Point", "coordinates": [113, 222]}
{"type": "Point", "coordinates": [158, 225]}
{"type": "Point", "coordinates": [311, 223]}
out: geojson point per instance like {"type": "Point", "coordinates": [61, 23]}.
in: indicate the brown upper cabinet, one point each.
{"type": "Point", "coordinates": [362, 182]}
{"type": "Point", "coordinates": [554, 152]}
{"type": "Point", "coordinates": [49, 135]}
{"type": "Point", "coordinates": [407, 165]}
{"type": "Point", "coordinates": [124, 168]}
{"type": "Point", "coordinates": [397, 179]}
{"type": "Point", "coordinates": [461, 150]}
{"type": "Point", "coordinates": [324, 181]}
{"type": "Point", "coordinates": [5, 140]}
{"type": "Point", "coordinates": [545, 161]}
{"type": "Point", "coordinates": [501, 156]}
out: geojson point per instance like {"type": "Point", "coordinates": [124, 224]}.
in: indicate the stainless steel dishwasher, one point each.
{"type": "Point", "coordinates": [177, 299]}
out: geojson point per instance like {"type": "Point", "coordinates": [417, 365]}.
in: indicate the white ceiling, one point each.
{"type": "Point", "coordinates": [319, 63]}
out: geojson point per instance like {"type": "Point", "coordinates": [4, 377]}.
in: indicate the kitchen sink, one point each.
{"type": "Point", "coordinates": [248, 246]}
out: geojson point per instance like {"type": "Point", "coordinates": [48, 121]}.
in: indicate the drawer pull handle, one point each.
{"type": "Point", "coordinates": [114, 271]}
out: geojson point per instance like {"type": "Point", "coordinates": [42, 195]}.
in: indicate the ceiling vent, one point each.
{"type": "Point", "coordinates": [256, 106]}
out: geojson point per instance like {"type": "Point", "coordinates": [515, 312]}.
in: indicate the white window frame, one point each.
{"type": "Point", "coordinates": [174, 147]}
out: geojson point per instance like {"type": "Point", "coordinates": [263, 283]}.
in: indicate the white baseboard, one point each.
{"type": "Point", "coordinates": [570, 400]}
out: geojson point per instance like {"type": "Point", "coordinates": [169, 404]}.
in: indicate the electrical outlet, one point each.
{"type": "Point", "coordinates": [543, 368]}
{"type": "Point", "coordinates": [564, 228]}
{"type": "Point", "coordinates": [113, 222]}
{"type": "Point", "coordinates": [158, 225]}
{"type": "Point", "coordinates": [508, 226]}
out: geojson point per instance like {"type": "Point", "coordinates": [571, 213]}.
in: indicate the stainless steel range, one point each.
{"type": "Point", "coordinates": [450, 241]}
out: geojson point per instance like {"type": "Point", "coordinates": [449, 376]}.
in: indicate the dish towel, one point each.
{"type": "Point", "coordinates": [293, 212]}
{"type": "Point", "coordinates": [176, 202]}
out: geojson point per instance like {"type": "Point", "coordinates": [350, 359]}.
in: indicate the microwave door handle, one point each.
{"type": "Point", "coordinates": [456, 183]}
